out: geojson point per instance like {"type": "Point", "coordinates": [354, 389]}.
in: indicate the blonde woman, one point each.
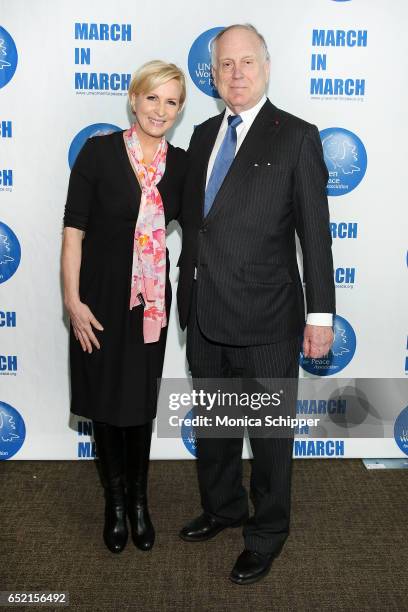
{"type": "Point", "coordinates": [124, 189]}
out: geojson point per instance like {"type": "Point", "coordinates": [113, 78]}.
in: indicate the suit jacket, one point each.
{"type": "Point", "coordinates": [249, 290]}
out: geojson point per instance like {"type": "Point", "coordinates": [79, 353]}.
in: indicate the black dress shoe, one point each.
{"type": "Point", "coordinates": [251, 566]}
{"type": "Point", "coordinates": [204, 528]}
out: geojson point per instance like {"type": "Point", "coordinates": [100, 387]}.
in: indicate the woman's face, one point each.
{"type": "Point", "coordinates": [156, 110]}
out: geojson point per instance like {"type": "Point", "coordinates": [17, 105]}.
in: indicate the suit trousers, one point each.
{"type": "Point", "coordinates": [219, 460]}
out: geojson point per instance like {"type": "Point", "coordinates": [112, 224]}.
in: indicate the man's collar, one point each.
{"type": "Point", "coordinates": [249, 115]}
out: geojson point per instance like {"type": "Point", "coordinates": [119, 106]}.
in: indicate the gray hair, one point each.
{"type": "Point", "coordinates": [244, 26]}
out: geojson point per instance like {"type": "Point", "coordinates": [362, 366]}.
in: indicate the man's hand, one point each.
{"type": "Point", "coordinates": [317, 340]}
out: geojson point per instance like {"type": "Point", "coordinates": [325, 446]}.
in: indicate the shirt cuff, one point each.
{"type": "Point", "coordinates": [320, 318]}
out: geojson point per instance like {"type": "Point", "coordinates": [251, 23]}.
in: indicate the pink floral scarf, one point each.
{"type": "Point", "coordinates": [148, 283]}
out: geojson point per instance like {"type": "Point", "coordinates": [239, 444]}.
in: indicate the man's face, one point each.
{"type": "Point", "coordinates": [241, 71]}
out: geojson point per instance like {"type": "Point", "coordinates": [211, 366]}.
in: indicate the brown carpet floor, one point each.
{"type": "Point", "coordinates": [348, 548]}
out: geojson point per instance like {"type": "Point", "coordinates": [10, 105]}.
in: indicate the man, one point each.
{"type": "Point", "coordinates": [256, 176]}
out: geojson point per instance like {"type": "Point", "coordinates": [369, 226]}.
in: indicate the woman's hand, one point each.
{"type": "Point", "coordinates": [83, 321]}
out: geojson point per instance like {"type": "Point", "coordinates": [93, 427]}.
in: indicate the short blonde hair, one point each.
{"type": "Point", "coordinates": [155, 73]}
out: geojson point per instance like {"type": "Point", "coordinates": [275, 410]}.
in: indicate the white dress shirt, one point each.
{"type": "Point", "coordinates": [248, 117]}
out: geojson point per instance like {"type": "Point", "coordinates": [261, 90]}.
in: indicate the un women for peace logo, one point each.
{"type": "Point", "coordinates": [346, 160]}
{"type": "Point", "coordinates": [188, 434]}
{"type": "Point", "coordinates": [10, 252]}
{"type": "Point", "coordinates": [8, 57]}
{"type": "Point", "coordinates": [199, 62]}
{"type": "Point", "coordinates": [401, 430]}
{"type": "Point", "coordinates": [12, 431]}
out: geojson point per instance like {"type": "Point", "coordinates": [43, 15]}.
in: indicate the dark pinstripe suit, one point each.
{"type": "Point", "coordinates": [245, 312]}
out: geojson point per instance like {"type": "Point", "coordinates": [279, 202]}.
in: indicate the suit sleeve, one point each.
{"type": "Point", "coordinates": [176, 166]}
{"type": "Point", "coordinates": [312, 224]}
{"type": "Point", "coordinates": [81, 188]}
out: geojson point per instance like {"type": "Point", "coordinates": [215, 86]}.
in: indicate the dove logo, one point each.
{"type": "Point", "coordinates": [96, 129]}
{"type": "Point", "coordinates": [8, 57]}
{"type": "Point", "coordinates": [12, 431]}
{"type": "Point", "coordinates": [339, 356]}
{"type": "Point", "coordinates": [401, 430]}
{"type": "Point", "coordinates": [188, 434]}
{"type": "Point", "coordinates": [346, 160]}
{"type": "Point", "coordinates": [199, 62]}
{"type": "Point", "coordinates": [10, 253]}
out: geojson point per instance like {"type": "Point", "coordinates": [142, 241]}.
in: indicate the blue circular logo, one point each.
{"type": "Point", "coordinates": [188, 434]}
{"type": "Point", "coordinates": [346, 160]}
{"type": "Point", "coordinates": [199, 62]}
{"type": "Point", "coordinates": [96, 129]}
{"type": "Point", "coordinates": [401, 430]}
{"type": "Point", "coordinates": [12, 431]}
{"type": "Point", "coordinates": [10, 252]}
{"type": "Point", "coordinates": [339, 356]}
{"type": "Point", "coordinates": [8, 57]}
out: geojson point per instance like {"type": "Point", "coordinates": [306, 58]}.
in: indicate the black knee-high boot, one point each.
{"type": "Point", "coordinates": [138, 440]}
{"type": "Point", "coordinates": [111, 452]}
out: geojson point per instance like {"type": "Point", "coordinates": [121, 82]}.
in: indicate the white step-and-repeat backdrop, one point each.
{"type": "Point", "coordinates": [64, 71]}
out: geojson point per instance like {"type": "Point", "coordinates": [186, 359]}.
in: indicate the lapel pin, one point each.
{"type": "Point", "coordinates": [276, 122]}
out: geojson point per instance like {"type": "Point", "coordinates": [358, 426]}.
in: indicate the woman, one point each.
{"type": "Point", "coordinates": [124, 189]}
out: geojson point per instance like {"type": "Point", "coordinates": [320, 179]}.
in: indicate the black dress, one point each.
{"type": "Point", "coordinates": [118, 383]}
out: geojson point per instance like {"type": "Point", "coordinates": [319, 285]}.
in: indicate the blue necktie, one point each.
{"type": "Point", "coordinates": [223, 161]}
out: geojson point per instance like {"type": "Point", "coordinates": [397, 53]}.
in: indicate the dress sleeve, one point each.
{"type": "Point", "coordinates": [81, 189]}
